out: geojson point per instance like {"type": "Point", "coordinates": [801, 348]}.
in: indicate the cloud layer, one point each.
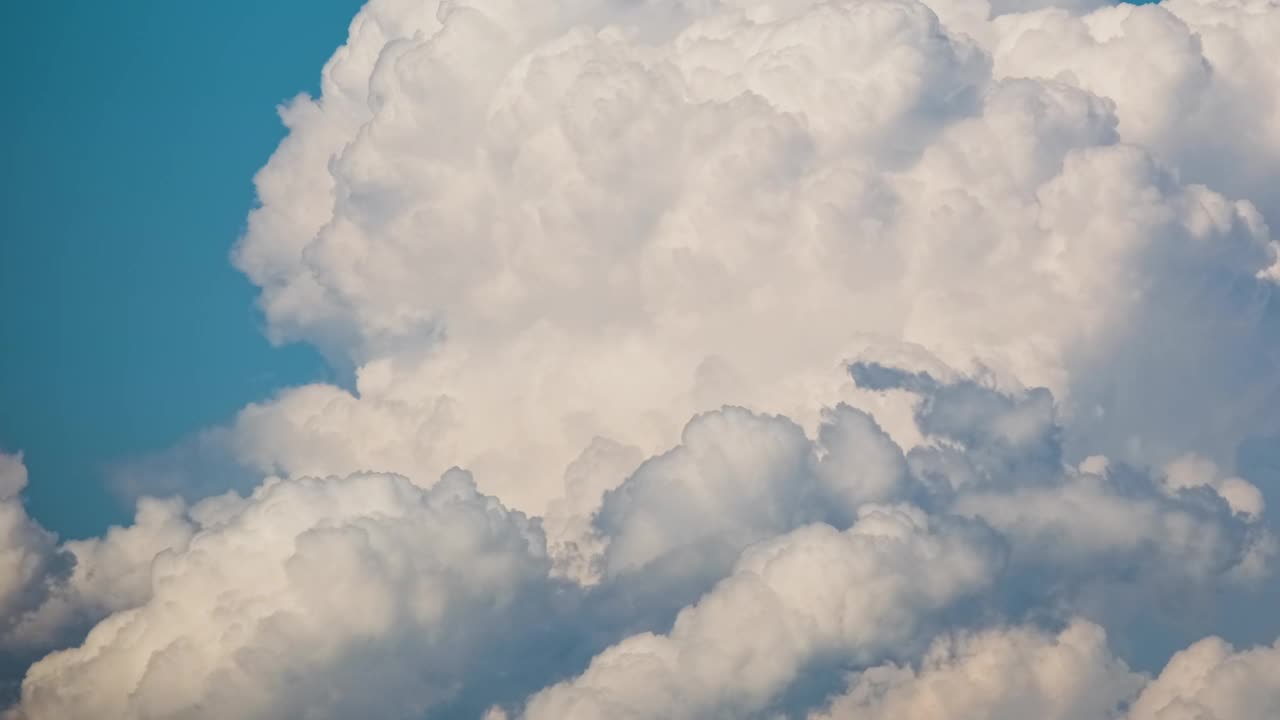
{"type": "Point", "coordinates": [860, 358]}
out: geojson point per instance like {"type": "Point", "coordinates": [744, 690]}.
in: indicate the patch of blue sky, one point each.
{"type": "Point", "coordinates": [131, 135]}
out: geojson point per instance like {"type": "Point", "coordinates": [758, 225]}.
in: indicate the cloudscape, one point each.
{"type": "Point", "coordinates": [725, 359]}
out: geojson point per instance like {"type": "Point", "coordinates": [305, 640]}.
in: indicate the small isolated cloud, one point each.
{"type": "Point", "coordinates": [855, 358]}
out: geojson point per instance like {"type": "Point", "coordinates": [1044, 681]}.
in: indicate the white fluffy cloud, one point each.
{"type": "Point", "coordinates": [617, 226]}
{"type": "Point", "coordinates": [1211, 681]}
{"type": "Point", "coordinates": [738, 478]}
{"type": "Point", "coordinates": [368, 592]}
{"type": "Point", "coordinates": [783, 338]}
{"type": "Point", "coordinates": [26, 549]}
{"type": "Point", "coordinates": [1006, 674]}
{"type": "Point", "coordinates": [724, 572]}
{"type": "Point", "coordinates": [1192, 69]}
{"type": "Point", "coordinates": [789, 601]}
{"type": "Point", "coordinates": [1002, 674]}
{"type": "Point", "coordinates": [51, 592]}
{"type": "Point", "coordinates": [98, 576]}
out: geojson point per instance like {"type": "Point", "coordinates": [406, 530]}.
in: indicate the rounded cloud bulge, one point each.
{"type": "Point", "coordinates": [726, 358]}
{"type": "Point", "coordinates": [525, 229]}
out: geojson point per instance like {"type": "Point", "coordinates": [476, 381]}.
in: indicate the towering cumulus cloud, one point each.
{"type": "Point", "coordinates": [721, 359]}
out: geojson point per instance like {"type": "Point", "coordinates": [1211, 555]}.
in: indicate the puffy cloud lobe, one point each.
{"type": "Point", "coordinates": [676, 526]}
{"type": "Point", "coordinates": [790, 600]}
{"type": "Point", "coordinates": [738, 478]}
{"type": "Point", "coordinates": [51, 592]}
{"type": "Point", "coordinates": [1009, 673]}
{"type": "Point", "coordinates": [1106, 540]}
{"type": "Point", "coordinates": [13, 475]}
{"type": "Point", "coordinates": [99, 576]}
{"type": "Point", "coordinates": [1092, 526]}
{"type": "Point", "coordinates": [1194, 67]}
{"type": "Point", "coordinates": [716, 202]}
{"type": "Point", "coordinates": [28, 554]}
{"type": "Point", "coordinates": [1081, 538]}
{"type": "Point", "coordinates": [368, 591]}
{"type": "Point", "coordinates": [1211, 681]}
{"type": "Point", "coordinates": [998, 674]}
{"type": "Point", "coordinates": [1190, 472]}
{"type": "Point", "coordinates": [997, 456]}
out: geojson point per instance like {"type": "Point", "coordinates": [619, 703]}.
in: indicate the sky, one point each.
{"type": "Point", "coordinates": [804, 359]}
{"type": "Point", "coordinates": [133, 133]}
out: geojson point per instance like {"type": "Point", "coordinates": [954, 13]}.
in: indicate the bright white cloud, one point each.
{"type": "Point", "coordinates": [616, 228]}
{"type": "Point", "coordinates": [1211, 681]}
{"type": "Point", "coordinates": [341, 595]}
{"type": "Point", "coordinates": [1013, 673]}
{"type": "Point", "coordinates": [89, 579]}
{"type": "Point", "coordinates": [789, 601]}
{"type": "Point", "coordinates": [367, 591]}
{"type": "Point", "coordinates": [988, 289]}
{"type": "Point", "coordinates": [1001, 674]}
{"type": "Point", "coordinates": [1193, 68]}
{"type": "Point", "coordinates": [1008, 674]}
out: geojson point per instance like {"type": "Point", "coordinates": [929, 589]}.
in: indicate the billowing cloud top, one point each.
{"type": "Point", "coordinates": [859, 358]}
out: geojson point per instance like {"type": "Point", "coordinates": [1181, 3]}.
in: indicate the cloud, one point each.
{"type": "Point", "coordinates": [28, 556]}
{"type": "Point", "coordinates": [808, 594]}
{"type": "Point", "coordinates": [998, 674]}
{"type": "Point", "coordinates": [618, 226]}
{"type": "Point", "coordinates": [51, 592]}
{"type": "Point", "coordinates": [803, 357]}
{"type": "Point", "coordinates": [1009, 673]}
{"type": "Point", "coordinates": [738, 478]}
{"type": "Point", "coordinates": [1198, 95]}
{"type": "Point", "coordinates": [368, 591]}
{"type": "Point", "coordinates": [743, 570]}
{"type": "Point", "coordinates": [1211, 680]}
{"type": "Point", "coordinates": [1193, 68]}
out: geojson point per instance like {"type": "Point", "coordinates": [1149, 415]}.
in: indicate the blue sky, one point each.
{"type": "Point", "coordinates": [132, 134]}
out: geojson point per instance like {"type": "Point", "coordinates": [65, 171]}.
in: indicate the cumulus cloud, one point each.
{"type": "Point", "coordinates": [618, 226]}
{"type": "Point", "coordinates": [28, 553]}
{"type": "Point", "coordinates": [789, 601]}
{"type": "Point", "coordinates": [367, 591]}
{"type": "Point", "coordinates": [1009, 673]}
{"type": "Point", "coordinates": [1192, 68]}
{"type": "Point", "coordinates": [863, 358]}
{"type": "Point", "coordinates": [1211, 680]}
{"type": "Point", "coordinates": [1198, 95]}
{"type": "Point", "coordinates": [731, 574]}
{"type": "Point", "coordinates": [998, 674]}
{"type": "Point", "coordinates": [51, 592]}
{"type": "Point", "coordinates": [738, 478]}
